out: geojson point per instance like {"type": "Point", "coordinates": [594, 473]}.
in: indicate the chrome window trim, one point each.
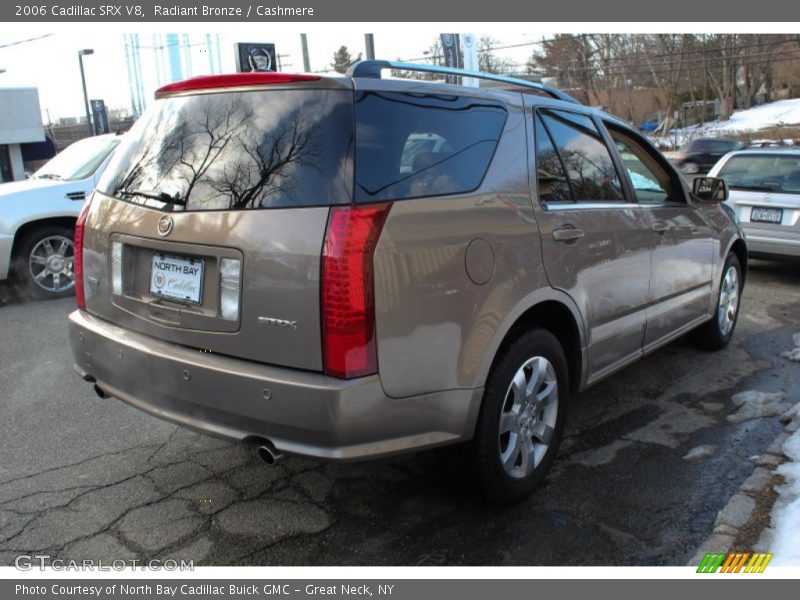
{"type": "Point", "coordinates": [589, 205]}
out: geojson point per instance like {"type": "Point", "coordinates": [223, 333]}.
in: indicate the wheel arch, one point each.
{"type": "Point", "coordinates": [739, 247]}
{"type": "Point", "coordinates": [556, 313]}
{"type": "Point", "coordinates": [26, 228]}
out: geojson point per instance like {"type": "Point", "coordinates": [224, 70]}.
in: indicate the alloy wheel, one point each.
{"type": "Point", "coordinates": [50, 264]}
{"type": "Point", "coordinates": [528, 417]}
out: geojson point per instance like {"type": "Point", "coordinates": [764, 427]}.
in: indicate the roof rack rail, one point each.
{"type": "Point", "coordinates": [371, 69]}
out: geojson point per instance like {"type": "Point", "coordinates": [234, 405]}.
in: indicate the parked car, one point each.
{"type": "Point", "coordinates": [765, 195]}
{"type": "Point", "coordinates": [37, 217]}
{"type": "Point", "coordinates": [264, 260]}
{"type": "Point", "coordinates": [699, 155]}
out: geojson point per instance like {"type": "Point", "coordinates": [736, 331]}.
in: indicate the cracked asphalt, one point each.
{"type": "Point", "coordinates": [87, 478]}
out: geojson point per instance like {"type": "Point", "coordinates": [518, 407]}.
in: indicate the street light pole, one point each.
{"type": "Point", "coordinates": [369, 42]}
{"type": "Point", "coordinates": [81, 54]}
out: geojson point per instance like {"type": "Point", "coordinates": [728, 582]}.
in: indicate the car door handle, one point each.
{"type": "Point", "coordinates": [659, 226]}
{"type": "Point", "coordinates": [567, 234]}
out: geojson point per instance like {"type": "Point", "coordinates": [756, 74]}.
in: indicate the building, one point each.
{"type": "Point", "coordinates": [20, 123]}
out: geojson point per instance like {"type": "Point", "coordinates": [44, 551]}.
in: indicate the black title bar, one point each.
{"type": "Point", "coordinates": [405, 10]}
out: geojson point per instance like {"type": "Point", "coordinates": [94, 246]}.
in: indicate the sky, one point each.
{"type": "Point", "coordinates": [51, 63]}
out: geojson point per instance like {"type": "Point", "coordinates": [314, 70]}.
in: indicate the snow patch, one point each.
{"type": "Point", "coordinates": [773, 114]}
{"type": "Point", "coordinates": [755, 405]}
{"type": "Point", "coordinates": [700, 453]}
{"type": "Point", "coordinates": [786, 512]}
{"type": "Point", "coordinates": [794, 354]}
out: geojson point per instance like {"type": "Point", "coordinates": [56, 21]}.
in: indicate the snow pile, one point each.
{"type": "Point", "coordinates": [786, 512]}
{"type": "Point", "coordinates": [773, 114]}
{"type": "Point", "coordinates": [793, 354]}
{"type": "Point", "coordinates": [755, 405]}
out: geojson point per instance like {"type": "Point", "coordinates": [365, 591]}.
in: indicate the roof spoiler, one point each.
{"type": "Point", "coordinates": [371, 69]}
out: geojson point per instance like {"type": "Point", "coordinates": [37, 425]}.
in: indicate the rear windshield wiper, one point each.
{"type": "Point", "coordinates": [160, 196]}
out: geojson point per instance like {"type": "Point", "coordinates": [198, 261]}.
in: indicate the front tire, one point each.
{"type": "Point", "coordinates": [44, 261]}
{"type": "Point", "coordinates": [717, 333]}
{"type": "Point", "coordinates": [522, 418]}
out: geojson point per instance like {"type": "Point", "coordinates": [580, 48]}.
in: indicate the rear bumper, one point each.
{"type": "Point", "coordinates": [299, 412]}
{"type": "Point", "coordinates": [772, 242]}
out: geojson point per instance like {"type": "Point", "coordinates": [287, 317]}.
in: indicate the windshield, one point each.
{"type": "Point", "coordinates": [769, 173]}
{"type": "Point", "coordinates": [79, 160]}
{"type": "Point", "coordinates": [238, 151]}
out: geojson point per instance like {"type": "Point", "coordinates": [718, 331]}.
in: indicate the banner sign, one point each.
{"type": "Point", "coordinates": [469, 50]}
{"type": "Point", "coordinates": [99, 117]}
{"type": "Point", "coordinates": [452, 55]}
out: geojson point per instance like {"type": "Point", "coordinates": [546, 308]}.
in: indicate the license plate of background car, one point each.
{"type": "Point", "coordinates": [177, 278]}
{"type": "Point", "coordinates": [766, 215]}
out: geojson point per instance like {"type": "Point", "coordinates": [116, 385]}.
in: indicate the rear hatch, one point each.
{"type": "Point", "coordinates": [207, 228]}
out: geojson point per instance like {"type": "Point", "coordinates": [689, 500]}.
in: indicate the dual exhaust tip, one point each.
{"type": "Point", "coordinates": [265, 450]}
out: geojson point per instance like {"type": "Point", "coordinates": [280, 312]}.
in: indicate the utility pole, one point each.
{"type": "Point", "coordinates": [306, 62]}
{"type": "Point", "coordinates": [81, 54]}
{"type": "Point", "coordinates": [369, 42]}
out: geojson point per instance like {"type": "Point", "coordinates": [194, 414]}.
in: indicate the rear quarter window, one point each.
{"type": "Point", "coordinates": [411, 145]}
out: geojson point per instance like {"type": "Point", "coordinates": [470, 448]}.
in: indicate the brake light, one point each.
{"type": "Point", "coordinates": [207, 82]}
{"type": "Point", "coordinates": [77, 260]}
{"type": "Point", "coordinates": [348, 290]}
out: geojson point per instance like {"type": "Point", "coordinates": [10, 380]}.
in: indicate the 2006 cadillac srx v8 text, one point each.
{"type": "Point", "coordinates": [352, 267]}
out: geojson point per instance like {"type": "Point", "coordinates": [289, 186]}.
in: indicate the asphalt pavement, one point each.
{"type": "Point", "coordinates": [82, 477]}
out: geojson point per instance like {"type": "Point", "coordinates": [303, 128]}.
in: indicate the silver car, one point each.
{"type": "Point", "coordinates": [764, 186]}
{"type": "Point", "coordinates": [352, 267]}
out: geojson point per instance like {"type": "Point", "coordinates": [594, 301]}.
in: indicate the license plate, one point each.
{"type": "Point", "coordinates": [177, 278]}
{"type": "Point", "coordinates": [766, 215]}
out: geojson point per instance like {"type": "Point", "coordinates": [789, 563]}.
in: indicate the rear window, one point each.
{"type": "Point", "coordinates": [410, 145]}
{"type": "Point", "coordinates": [238, 151]}
{"type": "Point", "coordinates": [769, 173]}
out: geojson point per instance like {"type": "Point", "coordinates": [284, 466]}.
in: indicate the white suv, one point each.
{"type": "Point", "coordinates": [37, 217]}
{"type": "Point", "coordinates": [764, 186]}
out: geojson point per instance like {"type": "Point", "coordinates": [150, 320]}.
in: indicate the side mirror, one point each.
{"type": "Point", "coordinates": [710, 189]}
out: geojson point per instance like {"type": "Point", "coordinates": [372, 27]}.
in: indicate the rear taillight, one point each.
{"type": "Point", "coordinates": [348, 290]}
{"type": "Point", "coordinates": [77, 264]}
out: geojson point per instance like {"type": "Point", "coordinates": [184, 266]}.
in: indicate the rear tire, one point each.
{"type": "Point", "coordinates": [43, 262]}
{"type": "Point", "coordinates": [522, 418]}
{"type": "Point", "coordinates": [717, 333]}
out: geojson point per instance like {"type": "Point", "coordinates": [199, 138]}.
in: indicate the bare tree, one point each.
{"type": "Point", "coordinates": [571, 59]}
{"type": "Point", "coordinates": [488, 61]}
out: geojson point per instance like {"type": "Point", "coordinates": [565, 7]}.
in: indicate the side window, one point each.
{"type": "Point", "coordinates": [550, 174]}
{"type": "Point", "coordinates": [589, 167]}
{"type": "Point", "coordinates": [412, 145]}
{"type": "Point", "coordinates": [652, 183]}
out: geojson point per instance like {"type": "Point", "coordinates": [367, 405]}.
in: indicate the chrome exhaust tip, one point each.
{"type": "Point", "coordinates": [267, 452]}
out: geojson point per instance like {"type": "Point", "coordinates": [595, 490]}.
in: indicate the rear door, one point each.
{"type": "Point", "coordinates": [208, 224]}
{"type": "Point", "coordinates": [596, 245]}
{"type": "Point", "coordinates": [683, 248]}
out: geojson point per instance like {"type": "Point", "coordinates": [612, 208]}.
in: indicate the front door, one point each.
{"type": "Point", "coordinates": [681, 270]}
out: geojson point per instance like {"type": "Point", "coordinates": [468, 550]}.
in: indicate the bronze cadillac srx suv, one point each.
{"type": "Point", "coordinates": [353, 267]}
